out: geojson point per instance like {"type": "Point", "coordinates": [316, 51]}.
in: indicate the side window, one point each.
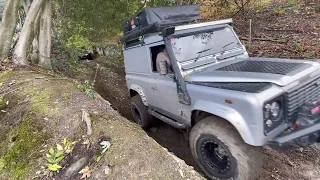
{"type": "Point", "coordinates": [154, 53]}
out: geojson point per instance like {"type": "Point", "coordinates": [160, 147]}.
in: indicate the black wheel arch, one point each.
{"type": "Point", "coordinates": [133, 93]}
{"type": "Point", "coordinates": [198, 115]}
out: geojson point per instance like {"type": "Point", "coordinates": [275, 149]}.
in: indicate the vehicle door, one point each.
{"type": "Point", "coordinates": [164, 90]}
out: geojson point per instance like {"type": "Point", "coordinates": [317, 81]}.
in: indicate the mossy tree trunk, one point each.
{"type": "Point", "coordinates": [45, 36]}
{"type": "Point", "coordinates": [26, 35]}
{"type": "Point", "coordinates": [9, 21]}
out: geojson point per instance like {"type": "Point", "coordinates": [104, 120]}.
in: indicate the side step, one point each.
{"type": "Point", "coordinates": [168, 120]}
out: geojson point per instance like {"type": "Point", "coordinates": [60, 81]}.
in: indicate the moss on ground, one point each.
{"type": "Point", "coordinates": [6, 76]}
{"type": "Point", "coordinates": [2, 103]}
{"type": "Point", "coordinates": [41, 101]}
{"type": "Point", "coordinates": [26, 137]}
{"type": "Point", "coordinates": [20, 148]}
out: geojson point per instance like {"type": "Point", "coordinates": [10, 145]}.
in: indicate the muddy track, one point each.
{"type": "Point", "coordinates": [111, 85]}
{"type": "Point", "coordinates": [291, 164]}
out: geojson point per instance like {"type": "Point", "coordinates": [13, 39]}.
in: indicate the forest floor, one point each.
{"type": "Point", "coordinates": [282, 29]}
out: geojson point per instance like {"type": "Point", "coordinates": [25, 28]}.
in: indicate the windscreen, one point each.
{"type": "Point", "coordinates": [198, 45]}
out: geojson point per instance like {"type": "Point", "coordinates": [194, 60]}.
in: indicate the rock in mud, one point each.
{"type": "Point", "coordinates": [76, 167]}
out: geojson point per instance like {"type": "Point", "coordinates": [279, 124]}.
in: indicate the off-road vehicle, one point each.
{"type": "Point", "coordinates": [230, 103]}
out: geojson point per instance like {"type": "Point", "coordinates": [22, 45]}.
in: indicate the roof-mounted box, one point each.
{"type": "Point", "coordinates": [151, 20]}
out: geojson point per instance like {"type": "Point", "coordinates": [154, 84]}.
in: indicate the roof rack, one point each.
{"type": "Point", "coordinates": [150, 20]}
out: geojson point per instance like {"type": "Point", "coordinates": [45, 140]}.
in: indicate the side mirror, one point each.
{"type": "Point", "coordinates": [163, 68]}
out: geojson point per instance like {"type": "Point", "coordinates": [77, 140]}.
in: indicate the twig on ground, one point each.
{"type": "Point", "coordinates": [14, 90]}
{"type": "Point", "coordinates": [86, 118]}
{"type": "Point", "coordinates": [2, 93]}
{"type": "Point", "coordinates": [265, 39]}
{"type": "Point", "coordinates": [95, 76]}
{"type": "Point", "coordinates": [294, 30]}
{"type": "Point", "coordinates": [37, 150]}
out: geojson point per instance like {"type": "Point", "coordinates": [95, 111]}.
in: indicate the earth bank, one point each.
{"type": "Point", "coordinates": [39, 110]}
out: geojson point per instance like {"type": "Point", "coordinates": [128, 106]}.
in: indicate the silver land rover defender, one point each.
{"type": "Point", "coordinates": [230, 104]}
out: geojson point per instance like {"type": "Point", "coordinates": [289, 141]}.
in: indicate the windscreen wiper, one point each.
{"type": "Point", "coordinates": [227, 45]}
{"type": "Point", "coordinates": [200, 52]}
{"type": "Point", "coordinates": [204, 51]}
{"type": "Point", "coordinates": [223, 47]}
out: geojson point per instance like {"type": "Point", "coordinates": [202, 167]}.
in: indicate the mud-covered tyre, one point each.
{"type": "Point", "coordinates": [140, 113]}
{"type": "Point", "coordinates": [221, 153]}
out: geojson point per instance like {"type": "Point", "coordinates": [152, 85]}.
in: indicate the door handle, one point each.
{"type": "Point", "coordinates": [154, 88]}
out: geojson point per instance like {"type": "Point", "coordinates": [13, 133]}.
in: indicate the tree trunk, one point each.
{"type": "Point", "coordinates": [45, 36]}
{"type": "Point", "coordinates": [35, 42]}
{"type": "Point", "coordinates": [20, 52]}
{"type": "Point", "coordinates": [9, 21]}
{"type": "Point", "coordinates": [26, 5]}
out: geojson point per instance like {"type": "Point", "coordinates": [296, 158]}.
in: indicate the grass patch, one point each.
{"type": "Point", "coordinates": [88, 90]}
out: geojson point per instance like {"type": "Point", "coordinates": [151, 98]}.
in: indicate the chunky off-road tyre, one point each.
{"type": "Point", "coordinates": [221, 153]}
{"type": "Point", "coordinates": [140, 113]}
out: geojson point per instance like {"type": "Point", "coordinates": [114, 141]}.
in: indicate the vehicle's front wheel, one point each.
{"type": "Point", "coordinates": [140, 112]}
{"type": "Point", "coordinates": [221, 153]}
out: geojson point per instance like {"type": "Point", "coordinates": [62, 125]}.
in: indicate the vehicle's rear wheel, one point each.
{"type": "Point", "coordinates": [221, 153]}
{"type": "Point", "coordinates": [140, 112]}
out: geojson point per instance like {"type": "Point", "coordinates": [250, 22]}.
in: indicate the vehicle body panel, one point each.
{"type": "Point", "coordinates": [138, 77]}
{"type": "Point", "coordinates": [211, 74]}
{"type": "Point", "coordinates": [246, 110]}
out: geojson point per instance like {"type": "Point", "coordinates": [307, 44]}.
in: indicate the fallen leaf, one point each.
{"type": "Point", "coordinates": [86, 172]}
{"type": "Point", "coordinates": [59, 147]}
{"type": "Point", "coordinates": [51, 151]}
